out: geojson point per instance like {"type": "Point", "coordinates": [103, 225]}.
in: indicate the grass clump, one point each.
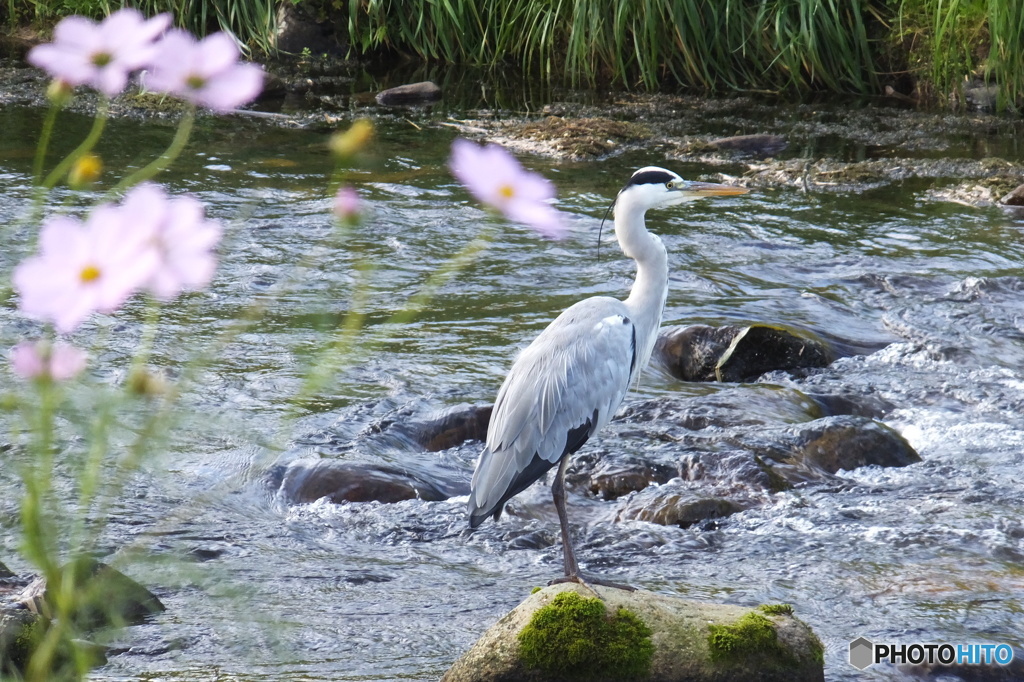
{"type": "Point", "coordinates": [574, 638]}
{"type": "Point", "coordinates": [751, 635]}
{"type": "Point", "coordinates": [776, 609]}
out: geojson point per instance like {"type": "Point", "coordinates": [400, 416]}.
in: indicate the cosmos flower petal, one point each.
{"type": "Point", "coordinates": [494, 177]}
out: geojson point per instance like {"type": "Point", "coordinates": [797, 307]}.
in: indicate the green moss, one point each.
{"type": "Point", "coordinates": [776, 609]}
{"type": "Point", "coordinates": [536, 590]}
{"type": "Point", "coordinates": [20, 650]}
{"type": "Point", "coordinates": [751, 635]}
{"type": "Point", "coordinates": [574, 638]}
{"type": "Point", "coordinates": [817, 650]}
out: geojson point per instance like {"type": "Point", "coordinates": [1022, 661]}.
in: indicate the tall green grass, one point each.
{"type": "Point", "coordinates": [948, 41]}
{"type": "Point", "coordinates": [251, 21]}
{"type": "Point", "coordinates": [768, 45]}
{"type": "Point", "coordinates": [708, 44]}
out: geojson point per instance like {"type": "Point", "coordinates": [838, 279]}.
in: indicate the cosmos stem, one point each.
{"type": "Point", "coordinates": [160, 163]}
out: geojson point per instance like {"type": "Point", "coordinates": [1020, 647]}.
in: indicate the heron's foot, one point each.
{"type": "Point", "coordinates": [587, 581]}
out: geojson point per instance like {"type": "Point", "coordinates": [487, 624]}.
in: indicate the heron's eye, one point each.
{"type": "Point", "coordinates": [671, 184]}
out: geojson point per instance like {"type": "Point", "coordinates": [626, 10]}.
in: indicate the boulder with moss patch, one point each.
{"type": "Point", "coordinates": [577, 632]}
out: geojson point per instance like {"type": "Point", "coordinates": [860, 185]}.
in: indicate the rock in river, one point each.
{"type": "Point", "coordinates": [730, 353]}
{"type": "Point", "coordinates": [565, 632]}
{"type": "Point", "coordinates": [310, 480]}
{"type": "Point", "coordinates": [407, 95]}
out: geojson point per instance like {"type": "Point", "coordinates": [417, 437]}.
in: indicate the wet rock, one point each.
{"type": "Point", "coordinates": [311, 480]}
{"type": "Point", "coordinates": [980, 95]}
{"type": "Point", "coordinates": [678, 503]}
{"type": "Point", "coordinates": [730, 353]}
{"type": "Point", "coordinates": [449, 429]}
{"type": "Point", "coordinates": [103, 596]}
{"type": "Point", "coordinates": [1014, 198]}
{"type": "Point", "coordinates": [870, 406]}
{"type": "Point", "coordinates": [411, 94]}
{"type": "Point", "coordinates": [772, 458]}
{"type": "Point", "coordinates": [846, 442]}
{"type": "Point", "coordinates": [5, 572]}
{"type": "Point", "coordinates": [723, 406]}
{"type": "Point", "coordinates": [17, 625]}
{"type": "Point", "coordinates": [760, 144]}
{"type": "Point", "coordinates": [610, 478]}
{"type": "Point", "coordinates": [639, 635]}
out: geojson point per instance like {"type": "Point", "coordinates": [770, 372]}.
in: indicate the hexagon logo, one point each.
{"type": "Point", "coordinates": [862, 653]}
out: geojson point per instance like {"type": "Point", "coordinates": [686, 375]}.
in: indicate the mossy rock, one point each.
{"type": "Point", "coordinates": [576, 638]}
{"type": "Point", "coordinates": [779, 647]}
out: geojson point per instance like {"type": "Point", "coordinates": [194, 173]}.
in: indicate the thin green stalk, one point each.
{"type": "Point", "coordinates": [44, 143]}
{"type": "Point", "coordinates": [160, 163]}
{"type": "Point", "coordinates": [102, 108]}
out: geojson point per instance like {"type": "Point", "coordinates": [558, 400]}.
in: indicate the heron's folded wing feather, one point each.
{"type": "Point", "coordinates": [578, 369]}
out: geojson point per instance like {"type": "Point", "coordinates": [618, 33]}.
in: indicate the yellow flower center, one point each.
{"type": "Point", "coordinates": [89, 274]}
{"type": "Point", "coordinates": [506, 191]}
{"type": "Point", "coordinates": [101, 59]}
{"type": "Point", "coordinates": [195, 82]}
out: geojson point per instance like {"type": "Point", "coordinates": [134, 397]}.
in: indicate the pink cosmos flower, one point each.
{"type": "Point", "coordinates": [206, 73]}
{"type": "Point", "coordinates": [494, 177]}
{"type": "Point", "coordinates": [182, 237]}
{"type": "Point", "coordinates": [100, 55]}
{"type": "Point", "coordinates": [347, 204]}
{"type": "Point", "coordinates": [41, 360]}
{"type": "Point", "coordinates": [84, 268]}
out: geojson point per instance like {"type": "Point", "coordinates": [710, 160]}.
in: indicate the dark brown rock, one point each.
{"type": "Point", "coordinates": [762, 348]}
{"type": "Point", "coordinates": [449, 429]}
{"type": "Point", "coordinates": [849, 442]}
{"type": "Point", "coordinates": [610, 479]}
{"type": "Point", "coordinates": [1014, 198]}
{"type": "Point", "coordinates": [740, 354]}
{"type": "Point", "coordinates": [678, 503]}
{"type": "Point", "coordinates": [692, 353]}
{"type": "Point", "coordinates": [413, 93]}
{"type": "Point", "coordinates": [311, 480]}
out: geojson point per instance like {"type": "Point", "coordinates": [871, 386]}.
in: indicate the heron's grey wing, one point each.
{"type": "Point", "coordinates": [560, 390]}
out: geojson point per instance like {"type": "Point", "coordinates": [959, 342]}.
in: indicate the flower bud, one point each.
{"type": "Point", "coordinates": [347, 205]}
{"type": "Point", "coordinates": [345, 144]}
{"type": "Point", "coordinates": [59, 92]}
{"type": "Point", "coordinates": [85, 171]}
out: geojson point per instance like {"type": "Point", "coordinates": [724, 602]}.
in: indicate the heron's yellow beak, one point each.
{"type": "Point", "coordinates": [712, 189]}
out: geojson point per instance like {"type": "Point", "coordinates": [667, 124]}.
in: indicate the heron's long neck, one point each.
{"type": "Point", "coordinates": [646, 300]}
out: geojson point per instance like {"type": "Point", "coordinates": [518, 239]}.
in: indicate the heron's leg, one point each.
{"type": "Point", "coordinates": [572, 571]}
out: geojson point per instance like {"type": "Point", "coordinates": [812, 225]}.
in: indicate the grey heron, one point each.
{"type": "Point", "coordinates": [568, 383]}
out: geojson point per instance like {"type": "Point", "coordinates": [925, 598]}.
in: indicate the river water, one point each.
{"type": "Point", "coordinates": [257, 588]}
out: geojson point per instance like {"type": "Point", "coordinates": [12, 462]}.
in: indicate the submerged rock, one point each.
{"type": "Point", "coordinates": [311, 480]}
{"type": "Point", "coordinates": [730, 353]}
{"type": "Point", "coordinates": [103, 596]}
{"type": "Point", "coordinates": [832, 444]}
{"type": "Point", "coordinates": [678, 503]}
{"type": "Point", "coordinates": [564, 632]}
{"type": "Point", "coordinates": [448, 429]}
{"type": "Point", "coordinates": [413, 93]}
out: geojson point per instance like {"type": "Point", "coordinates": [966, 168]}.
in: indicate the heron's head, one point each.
{"type": "Point", "coordinates": [654, 187]}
